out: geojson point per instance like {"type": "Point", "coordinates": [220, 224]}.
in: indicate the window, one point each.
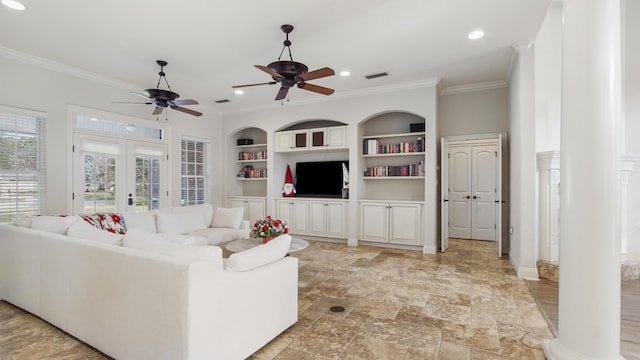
{"type": "Point", "coordinates": [22, 165]}
{"type": "Point", "coordinates": [194, 179]}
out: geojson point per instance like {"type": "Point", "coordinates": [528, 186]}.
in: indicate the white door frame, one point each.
{"type": "Point", "coordinates": [500, 140]}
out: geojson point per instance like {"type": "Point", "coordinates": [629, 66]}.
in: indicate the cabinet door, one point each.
{"type": "Point", "coordinates": [255, 209]}
{"type": "Point", "coordinates": [300, 139]}
{"type": "Point", "coordinates": [336, 137]}
{"type": "Point", "coordinates": [299, 214]}
{"type": "Point", "coordinates": [283, 211]}
{"type": "Point", "coordinates": [404, 224]}
{"type": "Point", "coordinates": [317, 218]}
{"type": "Point", "coordinates": [336, 224]}
{"type": "Point", "coordinates": [318, 138]}
{"type": "Point", "coordinates": [283, 141]}
{"type": "Point", "coordinates": [374, 222]}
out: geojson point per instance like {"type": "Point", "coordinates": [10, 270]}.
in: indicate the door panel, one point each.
{"type": "Point", "coordinates": [444, 195]}
{"type": "Point", "coordinates": [459, 192]}
{"type": "Point", "coordinates": [483, 189]}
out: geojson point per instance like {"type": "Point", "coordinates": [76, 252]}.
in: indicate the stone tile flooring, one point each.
{"type": "Point", "coordinates": [462, 304]}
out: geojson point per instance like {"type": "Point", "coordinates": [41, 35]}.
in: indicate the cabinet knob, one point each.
{"type": "Point", "coordinates": [467, 197]}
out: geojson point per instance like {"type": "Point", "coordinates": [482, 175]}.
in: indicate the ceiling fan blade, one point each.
{"type": "Point", "coordinates": [247, 85]}
{"type": "Point", "coordinates": [282, 93]}
{"type": "Point", "coordinates": [141, 95]}
{"type": "Point", "coordinates": [131, 102]}
{"type": "Point", "coordinates": [316, 74]}
{"type": "Point", "coordinates": [269, 71]}
{"type": "Point", "coordinates": [187, 111]}
{"type": "Point", "coordinates": [315, 88]}
{"type": "Point", "coordinates": [184, 102]}
{"type": "Point", "coordinates": [157, 111]}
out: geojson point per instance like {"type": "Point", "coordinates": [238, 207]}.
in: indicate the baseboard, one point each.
{"type": "Point", "coordinates": [527, 273]}
{"type": "Point", "coordinates": [429, 249]}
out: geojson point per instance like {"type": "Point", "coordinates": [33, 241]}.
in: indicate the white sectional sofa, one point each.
{"type": "Point", "coordinates": [150, 298]}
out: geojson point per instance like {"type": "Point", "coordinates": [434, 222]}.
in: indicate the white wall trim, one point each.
{"type": "Point", "coordinates": [489, 85]}
{"type": "Point", "coordinates": [527, 273]}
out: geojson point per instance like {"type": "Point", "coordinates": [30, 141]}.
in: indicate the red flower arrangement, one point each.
{"type": "Point", "coordinates": [268, 228]}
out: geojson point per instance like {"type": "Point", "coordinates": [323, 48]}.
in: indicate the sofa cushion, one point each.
{"type": "Point", "coordinates": [228, 217]}
{"type": "Point", "coordinates": [204, 212]}
{"type": "Point", "coordinates": [54, 224]}
{"type": "Point", "coordinates": [177, 223]}
{"type": "Point", "coordinates": [218, 236]}
{"type": "Point", "coordinates": [109, 221]}
{"type": "Point", "coordinates": [83, 230]}
{"type": "Point", "coordinates": [144, 220]}
{"type": "Point", "coordinates": [24, 222]}
{"type": "Point", "coordinates": [185, 239]}
{"type": "Point", "coordinates": [260, 255]}
{"type": "Point", "coordinates": [148, 241]}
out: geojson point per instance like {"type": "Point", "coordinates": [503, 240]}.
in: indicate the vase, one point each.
{"type": "Point", "coordinates": [266, 239]}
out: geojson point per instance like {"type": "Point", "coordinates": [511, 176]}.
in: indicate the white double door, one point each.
{"type": "Point", "coordinates": [473, 192]}
{"type": "Point", "coordinates": [114, 174]}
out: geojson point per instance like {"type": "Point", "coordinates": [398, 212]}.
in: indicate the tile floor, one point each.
{"type": "Point", "coordinates": [462, 304]}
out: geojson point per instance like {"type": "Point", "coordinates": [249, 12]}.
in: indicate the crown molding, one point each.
{"type": "Point", "coordinates": [63, 68]}
{"type": "Point", "coordinates": [489, 85]}
{"type": "Point", "coordinates": [409, 85]}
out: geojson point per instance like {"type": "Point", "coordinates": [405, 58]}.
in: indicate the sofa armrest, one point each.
{"type": "Point", "coordinates": [245, 225]}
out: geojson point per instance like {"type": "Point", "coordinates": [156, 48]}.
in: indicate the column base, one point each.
{"type": "Point", "coordinates": [554, 350]}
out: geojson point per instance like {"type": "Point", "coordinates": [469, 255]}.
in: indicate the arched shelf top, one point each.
{"type": "Point", "coordinates": [311, 124]}
{"type": "Point", "coordinates": [392, 122]}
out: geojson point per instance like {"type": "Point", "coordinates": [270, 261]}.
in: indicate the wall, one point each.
{"type": "Point", "coordinates": [476, 112]}
{"type": "Point", "coordinates": [419, 100]}
{"type": "Point", "coordinates": [50, 91]}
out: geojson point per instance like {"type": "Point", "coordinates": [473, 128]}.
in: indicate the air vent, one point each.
{"type": "Point", "coordinates": [373, 76]}
{"type": "Point", "coordinates": [222, 101]}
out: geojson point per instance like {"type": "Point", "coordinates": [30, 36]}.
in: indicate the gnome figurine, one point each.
{"type": "Point", "coordinates": [287, 189]}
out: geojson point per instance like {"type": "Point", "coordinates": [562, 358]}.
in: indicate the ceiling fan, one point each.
{"type": "Point", "coordinates": [289, 73]}
{"type": "Point", "coordinates": [162, 99]}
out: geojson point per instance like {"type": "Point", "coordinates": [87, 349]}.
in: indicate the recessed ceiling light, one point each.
{"type": "Point", "coordinates": [13, 4]}
{"type": "Point", "coordinates": [239, 92]}
{"type": "Point", "coordinates": [474, 35]}
{"type": "Point", "coordinates": [345, 73]}
{"type": "Point", "coordinates": [130, 127]}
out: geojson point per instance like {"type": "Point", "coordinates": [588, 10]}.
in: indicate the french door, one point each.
{"type": "Point", "coordinates": [115, 174]}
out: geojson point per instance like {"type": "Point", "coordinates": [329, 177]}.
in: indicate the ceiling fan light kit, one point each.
{"type": "Point", "coordinates": [289, 73]}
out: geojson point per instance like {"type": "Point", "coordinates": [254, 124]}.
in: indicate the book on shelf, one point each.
{"type": "Point", "coordinates": [248, 172]}
{"type": "Point", "coordinates": [257, 155]}
{"type": "Point", "coordinates": [373, 146]}
{"type": "Point", "coordinates": [416, 169]}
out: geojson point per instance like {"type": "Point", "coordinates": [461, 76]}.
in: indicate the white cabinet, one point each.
{"type": "Point", "coordinates": [327, 219]}
{"type": "Point", "coordinates": [322, 218]}
{"type": "Point", "coordinates": [254, 207]}
{"type": "Point", "coordinates": [294, 212]}
{"type": "Point", "coordinates": [334, 137]}
{"type": "Point", "coordinates": [391, 222]}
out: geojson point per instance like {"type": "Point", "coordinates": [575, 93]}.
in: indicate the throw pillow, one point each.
{"type": "Point", "coordinates": [85, 231]}
{"type": "Point", "coordinates": [203, 211]}
{"type": "Point", "coordinates": [228, 217]}
{"type": "Point", "coordinates": [54, 224]}
{"type": "Point", "coordinates": [24, 222]}
{"type": "Point", "coordinates": [112, 222]}
{"type": "Point", "coordinates": [147, 241]}
{"type": "Point", "coordinates": [145, 220]}
{"type": "Point", "coordinates": [185, 239]}
{"type": "Point", "coordinates": [260, 255]}
{"type": "Point", "coordinates": [177, 223]}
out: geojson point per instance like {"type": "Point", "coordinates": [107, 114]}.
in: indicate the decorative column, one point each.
{"type": "Point", "coordinates": [589, 295]}
{"type": "Point", "coordinates": [548, 205]}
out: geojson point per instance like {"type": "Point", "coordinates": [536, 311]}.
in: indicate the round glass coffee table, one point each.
{"type": "Point", "coordinates": [297, 244]}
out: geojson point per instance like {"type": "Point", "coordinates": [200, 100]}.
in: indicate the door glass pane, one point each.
{"type": "Point", "coordinates": [147, 184]}
{"type": "Point", "coordinates": [99, 183]}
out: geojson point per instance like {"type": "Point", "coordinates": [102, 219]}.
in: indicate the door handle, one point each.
{"type": "Point", "coordinates": [130, 200]}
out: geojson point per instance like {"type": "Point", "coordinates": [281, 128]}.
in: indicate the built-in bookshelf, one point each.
{"type": "Point", "coordinates": [253, 162]}
{"type": "Point", "coordinates": [404, 153]}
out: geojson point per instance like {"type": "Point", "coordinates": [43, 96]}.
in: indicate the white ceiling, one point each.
{"type": "Point", "coordinates": [211, 45]}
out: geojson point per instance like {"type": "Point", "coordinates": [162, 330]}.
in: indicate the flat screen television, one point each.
{"type": "Point", "coordinates": [319, 178]}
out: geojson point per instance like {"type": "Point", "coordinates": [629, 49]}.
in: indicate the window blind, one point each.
{"type": "Point", "coordinates": [22, 166]}
{"type": "Point", "coordinates": [194, 179]}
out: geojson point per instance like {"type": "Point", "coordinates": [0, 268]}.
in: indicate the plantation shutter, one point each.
{"type": "Point", "coordinates": [22, 164]}
{"type": "Point", "coordinates": [194, 179]}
